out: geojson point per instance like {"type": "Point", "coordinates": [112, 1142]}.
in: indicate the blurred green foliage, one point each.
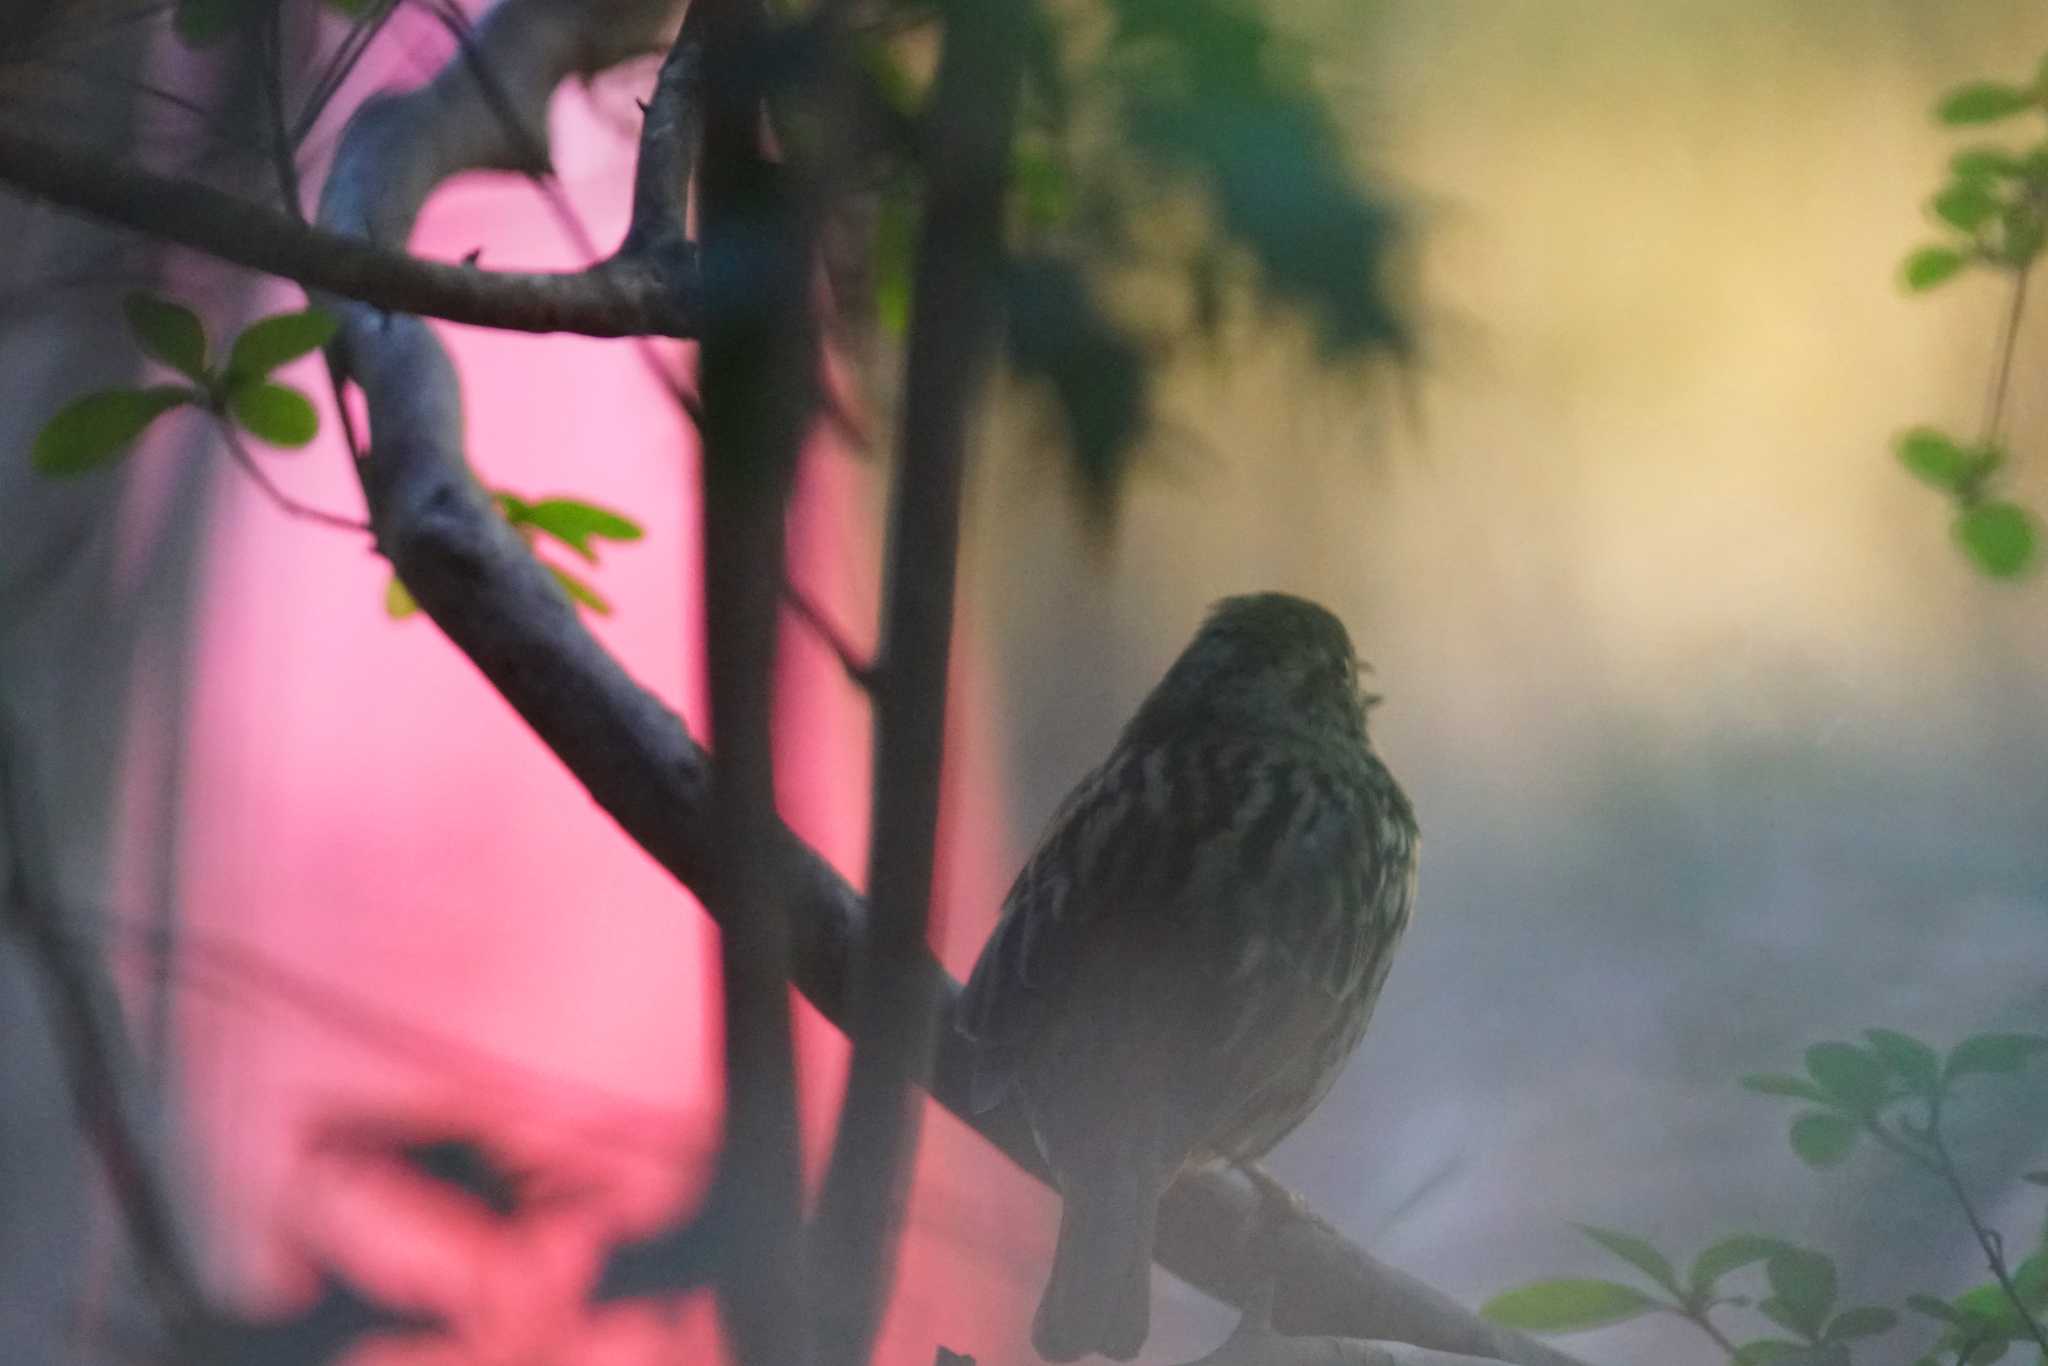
{"type": "Point", "coordinates": [1135, 111]}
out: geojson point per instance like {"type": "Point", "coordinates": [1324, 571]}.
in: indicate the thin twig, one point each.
{"type": "Point", "coordinates": [1987, 1239]}
{"type": "Point", "coordinates": [671, 154]}
{"type": "Point", "coordinates": [2008, 346]}
{"type": "Point", "coordinates": [1698, 1319]}
{"type": "Point", "coordinates": [863, 671]}
{"type": "Point", "coordinates": [284, 501]}
{"type": "Point", "coordinates": [283, 150]}
{"type": "Point", "coordinates": [328, 83]}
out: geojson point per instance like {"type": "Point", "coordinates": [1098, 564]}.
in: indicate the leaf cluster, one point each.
{"type": "Point", "coordinates": [1993, 207]}
{"type": "Point", "coordinates": [100, 428]}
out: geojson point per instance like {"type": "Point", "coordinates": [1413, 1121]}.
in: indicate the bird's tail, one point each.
{"type": "Point", "coordinates": [1099, 1296]}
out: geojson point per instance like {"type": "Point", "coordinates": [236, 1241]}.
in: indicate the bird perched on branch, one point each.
{"type": "Point", "coordinates": [1187, 960]}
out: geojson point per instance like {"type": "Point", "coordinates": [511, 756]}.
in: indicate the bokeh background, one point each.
{"type": "Point", "coordinates": [1719, 746]}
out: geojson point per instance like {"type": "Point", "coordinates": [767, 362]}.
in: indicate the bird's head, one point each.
{"type": "Point", "coordinates": [1267, 660]}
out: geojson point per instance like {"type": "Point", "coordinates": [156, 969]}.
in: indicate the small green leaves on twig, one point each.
{"type": "Point", "coordinates": [1937, 459]}
{"type": "Point", "coordinates": [1995, 206]}
{"type": "Point", "coordinates": [1999, 536]}
{"type": "Point", "coordinates": [99, 429]}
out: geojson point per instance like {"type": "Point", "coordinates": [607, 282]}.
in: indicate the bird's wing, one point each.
{"type": "Point", "coordinates": [1182, 872]}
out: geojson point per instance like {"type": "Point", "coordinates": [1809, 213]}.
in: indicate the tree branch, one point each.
{"type": "Point", "coordinates": [759, 357]}
{"type": "Point", "coordinates": [956, 311]}
{"type": "Point", "coordinates": [641, 293]}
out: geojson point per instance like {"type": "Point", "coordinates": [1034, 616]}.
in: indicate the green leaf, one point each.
{"type": "Point", "coordinates": [1769, 1349]}
{"type": "Point", "coordinates": [2030, 1279]}
{"type": "Point", "coordinates": [1982, 102]}
{"type": "Point", "coordinates": [1985, 163]}
{"type": "Point", "coordinates": [1929, 266]}
{"type": "Point", "coordinates": [1823, 1140]}
{"type": "Point", "coordinates": [1999, 536]}
{"type": "Point", "coordinates": [277, 413]}
{"type": "Point", "coordinates": [1910, 1060]}
{"type": "Point", "coordinates": [169, 331]}
{"type": "Point", "coordinates": [398, 600]}
{"type": "Point", "coordinates": [1987, 1308]}
{"type": "Point", "coordinates": [580, 591]}
{"type": "Point", "coordinates": [1803, 1284]}
{"type": "Point", "coordinates": [572, 522]}
{"type": "Point", "coordinates": [270, 342]}
{"type": "Point", "coordinates": [1991, 1349]}
{"type": "Point", "coordinates": [1778, 1084]}
{"type": "Point", "coordinates": [1934, 458]}
{"type": "Point", "coordinates": [1096, 373]}
{"type": "Point", "coordinates": [98, 428]}
{"type": "Point", "coordinates": [1567, 1306]}
{"type": "Point", "coordinates": [1853, 1077]}
{"type": "Point", "coordinates": [1731, 1254]}
{"type": "Point", "coordinates": [1865, 1322]}
{"type": "Point", "coordinates": [1637, 1253]}
{"type": "Point", "coordinates": [1966, 204]}
{"type": "Point", "coordinates": [1934, 1307]}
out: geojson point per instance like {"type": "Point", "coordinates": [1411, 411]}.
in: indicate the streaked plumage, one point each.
{"type": "Point", "coordinates": [1191, 954]}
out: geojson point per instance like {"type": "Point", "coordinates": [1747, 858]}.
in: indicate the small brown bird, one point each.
{"type": "Point", "coordinates": [1187, 960]}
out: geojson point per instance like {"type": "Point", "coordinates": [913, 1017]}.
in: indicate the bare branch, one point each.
{"type": "Point", "coordinates": [649, 294]}
{"type": "Point", "coordinates": [862, 671]}
{"type": "Point", "coordinates": [956, 310]}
